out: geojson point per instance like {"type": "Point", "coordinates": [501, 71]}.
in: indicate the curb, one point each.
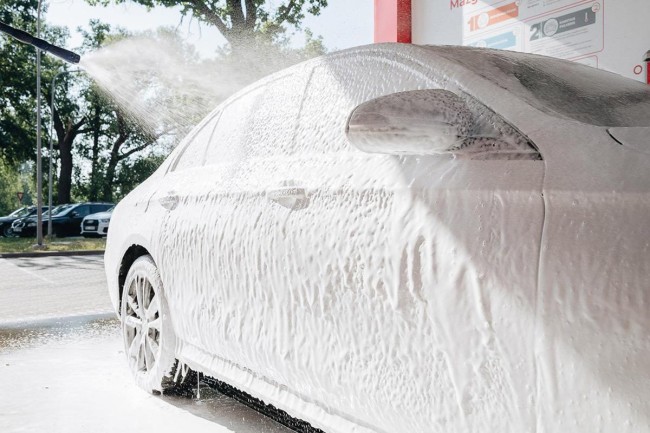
{"type": "Point", "coordinates": [50, 254]}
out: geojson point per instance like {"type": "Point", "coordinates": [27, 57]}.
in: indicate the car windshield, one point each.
{"type": "Point", "coordinates": [60, 209]}
{"type": "Point", "coordinates": [565, 89]}
{"type": "Point", "coordinates": [20, 212]}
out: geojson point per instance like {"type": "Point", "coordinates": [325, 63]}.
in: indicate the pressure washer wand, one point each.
{"type": "Point", "coordinates": [25, 37]}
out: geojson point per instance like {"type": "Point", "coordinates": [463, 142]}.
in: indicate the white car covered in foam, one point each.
{"type": "Point", "coordinates": [399, 238]}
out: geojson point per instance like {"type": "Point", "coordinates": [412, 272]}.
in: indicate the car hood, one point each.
{"type": "Point", "coordinates": [7, 219]}
{"type": "Point", "coordinates": [45, 218]}
{"type": "Point", "coordinates": [98, 215]}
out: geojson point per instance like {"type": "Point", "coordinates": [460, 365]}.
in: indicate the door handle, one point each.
{"type": "Point", "coordinates": [169, 201]}
{"type": "Point", "coordinates": [291, 197]}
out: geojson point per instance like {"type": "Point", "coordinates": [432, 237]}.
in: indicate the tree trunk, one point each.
{"type": "Point", "coordinates": [93, 194]}
{"type": "Point", "coordinates": [111, 168]}
{"type": "Point", "coordinates": [65, 137]}
{"type": "Point", "coordinates": [110, 175]}
{"type": "Point", "coordinates": [65, 169]}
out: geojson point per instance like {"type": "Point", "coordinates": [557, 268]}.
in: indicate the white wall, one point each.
{"type": "Point", "coordinates": [609, 34]}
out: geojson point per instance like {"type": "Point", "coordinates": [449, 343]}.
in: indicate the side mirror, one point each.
{"type": "Point", "coordinates": [74, 214]}
{"type": "Point", "coordinates": [417, 122]}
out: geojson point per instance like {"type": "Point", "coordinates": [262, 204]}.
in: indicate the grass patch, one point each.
{"type": "Point", "coordinates": [26, 245]}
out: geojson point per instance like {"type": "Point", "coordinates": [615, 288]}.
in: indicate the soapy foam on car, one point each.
{"type": "Point", "coordinates": [406, 294]}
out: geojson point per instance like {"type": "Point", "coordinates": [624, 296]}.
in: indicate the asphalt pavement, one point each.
{"type": "Point", "coordinates": [63, 368]}
{"type": "Point", "coordinates": [36, 288]}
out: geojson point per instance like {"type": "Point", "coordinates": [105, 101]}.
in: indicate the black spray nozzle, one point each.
{"type": "Point", "coordinates": [25, 37]}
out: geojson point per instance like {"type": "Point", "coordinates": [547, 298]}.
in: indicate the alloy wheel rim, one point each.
{"type": "Point", "coordinates": [142, 325]}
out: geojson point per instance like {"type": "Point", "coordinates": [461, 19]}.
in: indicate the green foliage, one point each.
{"type": "Point", "coordinates": [18, 80]}
{"type": "Point", "coordinates": [10, 184]}
{"type": "Point", "coordinates": [23, 245]}
{"type": "Point", "coordinates": [133, 173]}
{"type": "Point", "coordinates": [239, 21]}
{"type": "Point", "coordinates": [112, 154]}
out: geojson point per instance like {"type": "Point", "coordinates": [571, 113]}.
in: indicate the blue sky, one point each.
{"type": "Point", "coordinates": [343, 24]}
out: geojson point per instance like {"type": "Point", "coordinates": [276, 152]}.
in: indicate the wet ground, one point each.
{"type": "Point", "coordinates": [67, 373]}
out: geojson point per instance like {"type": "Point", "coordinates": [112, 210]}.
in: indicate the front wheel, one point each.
{"type": "Point", "coordinates": [7, 231]}
{"type": "Point", "coordinates": [149, 340]}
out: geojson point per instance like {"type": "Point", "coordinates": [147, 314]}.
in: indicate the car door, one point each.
{"type": "Point", "coordinates": [72, 226]}
{"type": "Point", "coordinates": [213, 255]}
{"type": "Point", "coordinates": [404, 289]}
{"type": "Point", "coordinates": [175, 245]}
{"type": "Point", "coordinates": [594, 291]}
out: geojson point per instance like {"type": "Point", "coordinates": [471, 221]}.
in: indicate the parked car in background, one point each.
{"type": "Point", "coordinates": [19, 226]}
{"type": "Point", "coordinates": [403, 238]}
{"type": "Point", "coordinates": [65, 222]}
{"type": "Point", "coordinates": [96, 225]}
{"type": "Point", "coordinates": [7, 221]}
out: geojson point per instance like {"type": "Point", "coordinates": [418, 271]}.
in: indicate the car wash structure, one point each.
{"type": "Point", "coordinates": [607, 34]}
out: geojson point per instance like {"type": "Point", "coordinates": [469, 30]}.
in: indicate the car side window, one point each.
{"type": "Point", "coordinates": [274, 119]}
{"type": "Point", "coordinates": [233, 131]}
{"type": "Point", "coordinates": [82, 211]}
{"type": "Point", "coordinates": [194, 152]}
{"type": "Point", "coordinates": [337, 86]}
{"type": "Point", "coordinates": [343, 83]}
{"type": "Point", "coordinates": [96, 208]}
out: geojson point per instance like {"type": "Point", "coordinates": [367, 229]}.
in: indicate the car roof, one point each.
{"type": "Point", "coordinates": [557, 87]}
{"type": "Point", "coordinates": [560, 87]}
{"type": "Point", "coordinates": [89, 203]}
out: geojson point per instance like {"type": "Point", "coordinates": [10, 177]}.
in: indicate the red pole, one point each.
{"type": "Point", "coordinates": [393, 21]}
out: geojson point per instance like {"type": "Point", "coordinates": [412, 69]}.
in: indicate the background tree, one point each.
{"type": "Point", "coordinates": [18, 80]}
{"type": "Point", "coordinates": [18, 96]}
{"type": "Point", "coordinates": [95, 129]}
{"type": "Point", "coordinates": [241, 22]}
{"type": "Point", "coordinates": [135, 171]}
{"type": "Point", "coordinates": [114, 136]}
{"type": "Point", "coordinates": [68, 120]}
{"type": "Point", "coordinates": [112, 131]}
{"type": "Point", "coordinates": [10, 184]}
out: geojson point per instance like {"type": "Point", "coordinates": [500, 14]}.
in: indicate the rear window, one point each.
{"type": "Point", "coordinates": [559, 87]}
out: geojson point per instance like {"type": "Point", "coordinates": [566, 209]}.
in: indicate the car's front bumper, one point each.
{"type": "Point", "coordinates": [98, 229]}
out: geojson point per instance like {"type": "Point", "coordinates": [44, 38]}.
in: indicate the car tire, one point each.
{"type": "Point", "coordinates": [149, 340]}
{"type": "Point", "coordinates": [7, 231]}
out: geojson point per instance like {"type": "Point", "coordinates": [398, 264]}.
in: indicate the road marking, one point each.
{"type": "Point", "coordinates": [26, 271]}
